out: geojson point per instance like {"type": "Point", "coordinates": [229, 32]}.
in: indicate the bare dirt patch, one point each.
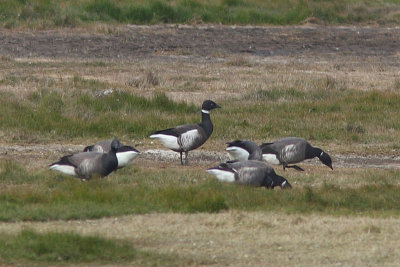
{"type": "Point", "coordinates": [203, 42]}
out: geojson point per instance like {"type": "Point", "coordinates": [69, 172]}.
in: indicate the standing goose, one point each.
{"type": "Point", "coordinates": [125, 154]}
{"type": "Point", "coordinates": [290, 150]}
{"type": "Point", "coordinates": [86, 165]}
{"type": "Point", "coordinates": [244, 150]}
{"type": "Point", "coordinates": [249, 172]}
{"type": "Point", "coordinates": [187, 137]}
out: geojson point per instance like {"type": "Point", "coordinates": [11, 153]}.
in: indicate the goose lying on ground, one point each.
{"type": "Point", "coordinates": [86, 165]}
{"type": "Point", "coordinates": [249, 172]}
{"type": "Point", "coordinates": [185, 138]}
{"type": "Point", "coordinates": [291, 150]}
{"type": "Point", "coordinates": [244, 150]}
{"type": "Point", "coordinates": [125, 154]}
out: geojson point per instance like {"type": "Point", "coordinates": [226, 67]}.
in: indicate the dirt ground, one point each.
{"type": "Point", "coordinates": [202, 42]}
{"type": "Point", "coordinates": [231, 238]}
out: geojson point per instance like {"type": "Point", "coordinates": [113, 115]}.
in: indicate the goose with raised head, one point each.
{"type": "Point", "coordinates": [244, 150]}
{"type": "Point", "coordinates": [125, 154]}
{"type": "Point", "coordinates": [292, 150]}
{"type": "Point", "coordinates": [86, 165]}
{"type": "Point", "coordinates": [185, 138]}
{"type": "Point", "coordinates": [249, 172]}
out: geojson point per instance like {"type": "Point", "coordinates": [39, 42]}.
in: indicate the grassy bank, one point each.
{"type": "Point", "coordinates": [43, 195]}
{"type": "Point", "coordinates": [45, 14]}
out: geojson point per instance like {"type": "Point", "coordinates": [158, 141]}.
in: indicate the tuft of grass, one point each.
{"type": "Point", "coordinates": [64, 247]}
{"type": "Point", "coordinates": [29, 247]}
{"type": "Point", "coordinates": [50, 114]}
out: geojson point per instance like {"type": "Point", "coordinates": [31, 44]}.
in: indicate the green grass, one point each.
{"type": "Point", "coordinates": [46, 13]}
{"type": "Point", "coordinates": [29, 247]}
{"type": "Point", "coordinates": [329, 113]}
{"type": "Point", "coordinates": [44, 195]}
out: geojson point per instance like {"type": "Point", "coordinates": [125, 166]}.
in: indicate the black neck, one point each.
{"type": "Point", "coordinates": [312, 152]}
{"type": "Point", "coordinates": [206, 123]}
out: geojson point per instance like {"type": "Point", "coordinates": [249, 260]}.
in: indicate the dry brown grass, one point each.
{"type": "Point", "coordinates": [248, 238]}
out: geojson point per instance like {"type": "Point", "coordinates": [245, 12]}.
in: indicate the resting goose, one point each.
{"type": "Point", "coordinates": [125, 154]}
{"type": "Point", "coordinates": [244, 150]}
{"type": "Point", "coordinates": [187, 137]}
{"type": "Point", "coordinates": [290, 150]}
{"type": "Point", "coordinates": [249, 172]}
{"type": "Point", "coordinates": [86, 165]}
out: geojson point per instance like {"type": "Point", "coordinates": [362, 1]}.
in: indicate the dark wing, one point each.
{"type": "Point", "coordinates": [178, 130]}
{"type": "Point", "coordinates": [65, 160]}
{"type": "Point", "coordinates": [269, 148]}
{"type": "Point", "coordinates": [127, 148]}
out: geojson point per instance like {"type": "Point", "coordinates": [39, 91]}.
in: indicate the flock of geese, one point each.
{"type": "Point", "coordinates": [249, 163]}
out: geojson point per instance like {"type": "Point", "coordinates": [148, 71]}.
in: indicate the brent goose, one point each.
{"type": "Point", "coordinates": [86, 165]}
{"type": "Point", "coordinates": [125, 154]}
{"type": "Point", "coordinates": [187, 137]}
{"type": "Point", "coordinates": [244, 150]}
{"type": "Point", "coordinates": [249, 172]}
{"type": "Point", "coordinates": [290, 150]}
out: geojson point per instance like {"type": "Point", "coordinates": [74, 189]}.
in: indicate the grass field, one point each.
{"type": "Point", "coordinates": [158, 213]}
{"type": "Point", "coordinates": [72, 13]}
{"type": "Point", "coordinates": [69, 104]}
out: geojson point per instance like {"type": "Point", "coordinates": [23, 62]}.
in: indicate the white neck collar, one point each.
{"type": "Point", "coordinates": [205, 111]}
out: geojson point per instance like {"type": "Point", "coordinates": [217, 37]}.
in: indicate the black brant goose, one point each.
{"type": "Point", "coordinates": [249, 172]}
{"type": "Point", "coordinates": [125, 154]}
{"type": "Point", "coordinates": [187, 137]}
{"type": "Point", "coordinates": [290, 150]}
{"type": "Point", "coordinates": [244, 150]}
{"type": "Point", "coordinates": [86, 165]}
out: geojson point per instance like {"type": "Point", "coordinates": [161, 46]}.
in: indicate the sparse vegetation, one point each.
{"type": "Point", "coordinates": [45, 14]}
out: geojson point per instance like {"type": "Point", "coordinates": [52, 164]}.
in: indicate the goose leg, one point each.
{"type": "Point", "coordinates": [181, 158]}
{"type": "Point", "coordinates": [297, 168]}
{"type": "Point", "coordinates": [186, 158]}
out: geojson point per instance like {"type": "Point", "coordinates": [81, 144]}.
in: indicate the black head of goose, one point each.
{"type": "Point", "coordinates": [291, 150]}
{"type": "Point", "coordinates": [187, 137]}
{"type": "Point", "coordinates": [125, 154]}
{"type": "Point", "coordinates": [86, 165]}
{"type": "Point", "coordinates": [249, 172]}
{"type": "Point", "coordinates": [244, 150]}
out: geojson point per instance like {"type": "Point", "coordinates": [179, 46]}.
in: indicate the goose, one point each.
{"type": "Point", "coordinates": [249, 172]}
{"type": "Point", "coordinates": [185, 138]}
{"type": "Point", "coordinates": [86, 165]}
{"type": "Point", "coordinates": [125, 154]}
{"type": "Point", "coordinates": [244, 150]}
{"type": "Point", "coordinates": [290, 150]}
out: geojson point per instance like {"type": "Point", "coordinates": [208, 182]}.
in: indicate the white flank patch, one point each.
{"type": "Point", "coordinates": [237, 153]}
{"type": "Point", "coordinates": [188, 138]}
{"type": "Point", "coordinates": [98, 148]}
{"type": "Point", "coordinates": [223, 176]}
{"type": "Point", "coordinates": [66, 169]}
{"type": "Point", "coordinates": [125, 158]}
{"type": "Point", "coordinates": [271, 158]}
{"type": "Point", "coordinates": [283, 184]}
{"type": "Point", "coordinates": [168, 140]}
